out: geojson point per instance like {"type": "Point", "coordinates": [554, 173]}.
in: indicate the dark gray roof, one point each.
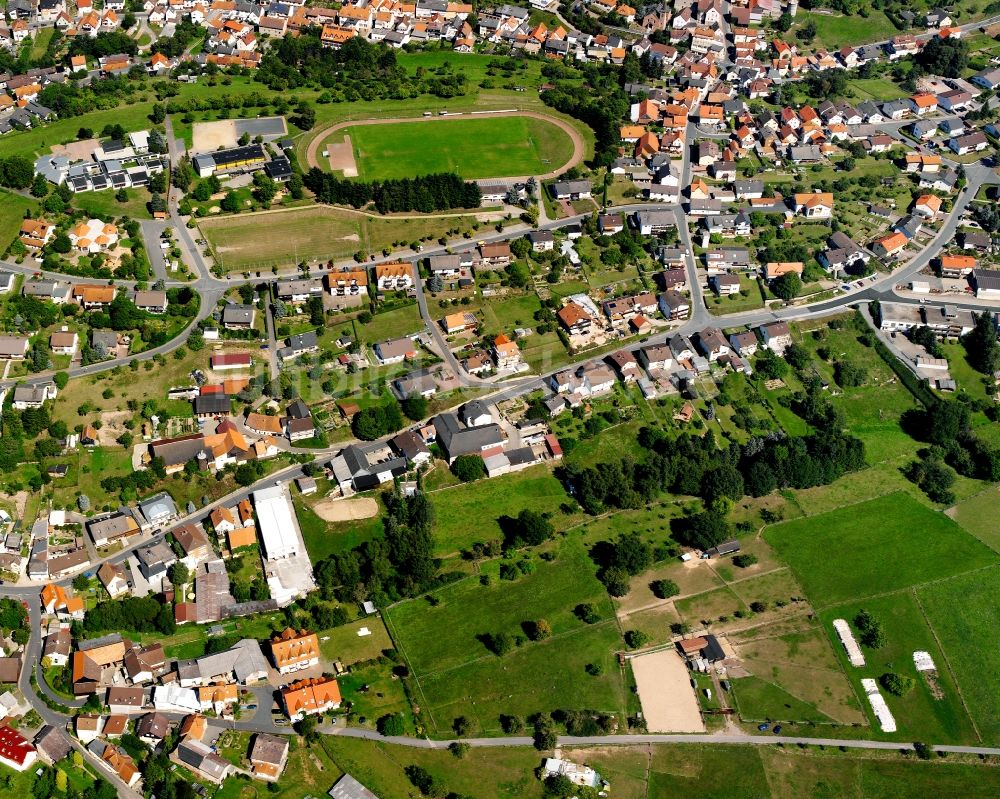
{"type": "Point", "coordinates": [349, 788]}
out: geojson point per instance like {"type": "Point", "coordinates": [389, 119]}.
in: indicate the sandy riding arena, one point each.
{"type": "Point", "coordinates": [208, 136]}
{"type": "Point", "coordinates": [665, 693]}
{"type": "Point", "coordinates": [342, 157]}
{"type": "Point", "coordinates": [346, 510]}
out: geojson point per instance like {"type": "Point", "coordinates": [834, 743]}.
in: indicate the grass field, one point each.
{"type": "Point", "coordinates": [249, 241]}
{"type": "Point", "coordinates": [837, 31]}
{"type": "Point", "coordinates": [486, 501]}
{"type": "Point", "coordinates": [919, 717]}
{"type": "Point", "coordinates": [474, 148]}
{"type": "Point", "coordinates": [398, 322]}
{"type": "Point", "coordinates": [886, 544]}
{"type": "Point", "coordinates": [796, 676]}
{"type": "Point", "coordinates": [459, 676]}
{"type": "Point", "coordinates": [966, 617]}
{"type": "Point", "coordinates": [975, 514]}
{"type": "Point", "coordinates": [13, 207]}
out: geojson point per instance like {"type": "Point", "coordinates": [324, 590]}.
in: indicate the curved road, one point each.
{"type": "Point", "coordinates": [579, 147]}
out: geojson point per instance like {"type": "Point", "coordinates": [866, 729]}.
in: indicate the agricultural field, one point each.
{"type": "Point", "coordinates": [975, 514]}
{"type": "Point", "coordinates": [836, 30]}
{"type": "Point", "coordinates": [487, 147]}
{"type": "Point", "coordinates": [457, 675]}
{"type": "Point", "coordinates": [919, 715]}
{"type": "Point", "coordinates": [964, 614]}
{"type": "Point", "coordinates": [318, 233]}
{"type": "Point", "coordinates": [844, 554]}
{"type": "Point", "coordinates": [795, 676]}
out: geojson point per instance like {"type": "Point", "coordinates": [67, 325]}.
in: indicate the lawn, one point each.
{"type": "Point", "coordinates": [964, 614]}
{"type": "Point", "coordinates": [402, 321]}
{"type": "Point", "coordinates": [503, 314]}
{"type": "Point", "coordinates": [748, 299]}
{"type": "Point", "coordinates": [344, 644]}
{"type": "Point", "coordinates": [885, 544]}
{"type": "Point", "coordinates": [458, 675]}
{"type": "Point", "coordinates": [315, 233]}
{"type": "Point", "coordinates": [469, 513]}
{"type": "Point", "coordinates": [486, 147]}
{"type": "Point", "coordinates": [876, 88]}
{"type": "Point", "coordinates": [919, 716]}
{"type": "Point", "coordinates": [760, 700]}
{"type": "Point", "coordinates": [13, 207]}
{"type": "Point", "coordinates": [103, 204]}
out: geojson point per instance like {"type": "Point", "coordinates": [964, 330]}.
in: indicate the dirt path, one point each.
{"type": "Point", "coordinates": [579, 148]}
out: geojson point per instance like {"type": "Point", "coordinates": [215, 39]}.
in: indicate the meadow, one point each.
{"type": "Point", "coordinates": [471, 512]}
{"type": "Point", "coordinates": [13, 208]}
{"type": "Point", "coordinates": [975, 514]}
{"type": "Point", "coordinates": [885, 544]}
{"type": "Point", "coordinates": [487, 147]}
{"type": "Point", "coordinates": [964, 614]}
{"type": "Point", "coordinates": [919, 716]}
{"type": "Point", "coordinates": [458, 675]}
{"type": "Point", "coordinates": [266, 239]}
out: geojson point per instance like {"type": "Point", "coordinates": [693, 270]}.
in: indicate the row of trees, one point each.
{"type": "Point", "coordinates": [138, 614]}
{"type": "Point", "coordinates": [437, 192]}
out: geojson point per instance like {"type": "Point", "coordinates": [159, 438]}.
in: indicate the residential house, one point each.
{"type": "Point", "coordinates": [776, 336]}
{"type": "Point", "coordinates": [293, 651]}
{"type": "Point", "coordinates": [395, 276]}
{"type": "Point", "coordinates": [310, 696]}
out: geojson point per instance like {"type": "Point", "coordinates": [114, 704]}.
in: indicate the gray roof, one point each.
{"type": "Point", "coordinates": [349, 788]}
{"type": "Point", "coordinates": [159, 506]}
{"type": "Point", "coordinates": [459, 440]}
{"type": "Point", "coordinates": [243, 659]}
{"type": "Point", "coordinates": [236, 314]}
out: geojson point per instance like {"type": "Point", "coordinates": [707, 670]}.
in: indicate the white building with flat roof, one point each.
{"type": "Point", "coordinates": [278, 530]}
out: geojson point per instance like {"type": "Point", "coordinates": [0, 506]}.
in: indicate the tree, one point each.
{"type": "Point", "coordinates": [60, 379]}
{"type": "Point", "coordinates": [316, 312]}
{"type": "Point", "coordinates": [39, 186]}
{"type": "Point", "coordinates": [230, 203]}
{"type": "Point", "coordinates": [872, 634]}
{"type": "Point", "coordinates": [631, 554]}
{"type": "Point", "coordinates": [935, 479]}
{"type": "Point", "coordinates": [468, 468]}
{"type": "Point", "coordinates": [616, 580]}
{"type": "Point", "coordinates": [544, 735]}
{"type": "Point", "coordinates": [179, 573]}
{"type": "Point", "coordinates": [530, 528]}
{"type": "Point", "coordinates": [539, 630]}
{"type": "Point", "coordinates": [83, 503]}
{"type": "Point", "coordinates": [587, 613]}
{"type": "Point", "coordinates": [264, 189]}
{"type": "Point", "coordinates": [415, 407]}
{"type": "Point", "coordinates": [722, 481]}
{"type": "Point", "coordinates": [947, 57]}
{"type": "Point", "coordinates": [797, 356]}
{"type": "Point", "coordinates": [981, 345]}
{"type": "Point", "coordinates": [848, 374]}
{"type": "Point", "coordinates": [787, 286]}
{"type": "Point", "coordinates": [421, 779]}
{"type": "Point", "coordinates": [306, 727]}
{"type": "Point", "coordinates": [664, 589]}
{"type": "Point", "coordinates": [81, 582]}
{"type": "Point", "coordinates": [16, 172]}
{"type": "Point", "coordinates": [635, 639]}
{"type": "Point", "coordinates": [704, 530]}
{"type": "Point", "coordinates": [768, 365]}
{"type": "Point", "coordinates": [462, 726]}
{"type": "Point", "coordinates": [458, 748]}
{"type": "Point", "coordinates": [897, 684]}
{"type": "Point", "coordinates": [744, 560]}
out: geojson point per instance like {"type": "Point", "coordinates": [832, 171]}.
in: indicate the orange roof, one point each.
{"type": "Point", "coordinates": [241, 537]}
{"type": "Point", "coordinates": [929, 200]}
{"type": "Point", "coordinates": [87, 292]}
{"type": "Point", "coordinates": [222, 514]}
{"type": "Point", "coordinates": [194, 726]}
{"type": "Point", "coordinates": [958, 262]}
{"type": "Point", "coordinates": [924, 100]}
{"type": "Point", "coordinates": [631, 131]}
{"type": "Point", "coordinates": [892, 242]}
{"type": "Point", "coordinates": [224, 692]}
{"type": "Point", "coordinates": [263, 423]}
{"type": "Point", "coordinates": [290, 648]}
{"type": "Point", "coordinates": [776, 269]}
{"type": "Point", "coordinates": [310, 696]}
{"type": "Point", "coordinates": [812, 199]}
{"type": "Point", "coordinates": [571, 313]}
{"type": "Point", "coordinates": [394, 269]}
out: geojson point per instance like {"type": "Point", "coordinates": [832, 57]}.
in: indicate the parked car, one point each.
{"type": "Point", "coordinates": [763, 727]}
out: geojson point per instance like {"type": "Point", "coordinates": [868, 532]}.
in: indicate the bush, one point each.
{"type": "Point", "coordinates": [664, 589]}
{"type": "Point", "coordinates": [469, 468]}
{"type": "Point", "coordinates": [744, 560]}
{"type": "Point", "coordinates": [897, 684]}
{"type": "Point", "coordinates": [391, 724]}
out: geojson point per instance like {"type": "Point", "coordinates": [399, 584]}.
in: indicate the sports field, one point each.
{"type": "Point", "coordinates": [280, 238]}
{"type": "Point", "coordinates": [882, 545]}
{"type": "Point", "coordinates": [492, 147]}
